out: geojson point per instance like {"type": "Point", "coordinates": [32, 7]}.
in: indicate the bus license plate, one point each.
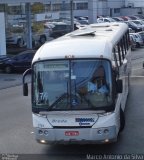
{"type": "Point", "coordinates": [71, 133]}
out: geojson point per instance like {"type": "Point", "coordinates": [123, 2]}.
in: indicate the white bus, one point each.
{"type": "Point", "coordinates": [80, 84]}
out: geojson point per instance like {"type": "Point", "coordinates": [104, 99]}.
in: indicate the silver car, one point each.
{"type": "Point", "coordinates": [15, 36]}
{"type": "Point", "coordinates": [138, 38]}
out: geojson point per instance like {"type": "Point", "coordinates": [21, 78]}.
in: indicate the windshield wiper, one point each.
{"type": "Point", "coordinates": [64, 95]}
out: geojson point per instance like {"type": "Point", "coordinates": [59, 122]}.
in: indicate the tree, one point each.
{"type": "Point", "coordinates": [37, 7]}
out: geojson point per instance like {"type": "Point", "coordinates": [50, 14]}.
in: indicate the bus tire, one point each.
{"type": "Point", "coordinates": [20, 43]}
{"type": "Point", "coordinates": [122, 120]}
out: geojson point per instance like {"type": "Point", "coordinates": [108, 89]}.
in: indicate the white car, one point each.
{"type": "Point", "coordinates": [41, 37]}
{"type": "Point", "coordinates": [106, 19]}
{"type": "Point", "coordinates": [15, 36]}
{"type": "Point", "coordinates": [138, 38]}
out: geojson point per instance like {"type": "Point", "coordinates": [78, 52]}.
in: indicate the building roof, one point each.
{"type": "Point", "coordinates": [21, 1]}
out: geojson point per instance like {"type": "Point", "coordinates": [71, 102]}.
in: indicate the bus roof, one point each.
{"type": "Point", "coordinates": [91, 41]}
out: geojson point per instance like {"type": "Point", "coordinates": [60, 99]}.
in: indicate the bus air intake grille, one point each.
{"type": "Point", "coordinates": [73, 127]}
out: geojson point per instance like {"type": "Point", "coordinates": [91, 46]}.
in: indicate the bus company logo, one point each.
{"type": "Point", "coordinates": [84, 120]}
{"type": "Point", "coordinates": [59, 121]}
{"type": "Point", "coordinates": [84, 124]}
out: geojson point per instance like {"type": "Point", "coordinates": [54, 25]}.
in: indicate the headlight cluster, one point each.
{"type": "Point", "coordinates": [43, 132]}
{"type": "Point", "coordinates": [103, 131]}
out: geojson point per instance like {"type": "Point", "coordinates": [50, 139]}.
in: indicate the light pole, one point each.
{"type": "Point", "coordinates": [71, 14]}
{"type": "Point", "coordinates": [29, 32]}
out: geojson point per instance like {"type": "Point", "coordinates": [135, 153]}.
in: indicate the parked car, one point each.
{"type": "Point", "coordinates": [82, 20]}
{"type": "Point", "coordinates": [139, 23]}
{"type": "Point", "coordinates": [140, 16]}
{"type": "Point", "coordinates": [4, 57]}
{"type": "Point", "coordinates": [131, 30]}
{"type": "Point", "coordinates": [17, 63]}
{"type": "Point", "coordinates": [133, 26]}
{"type": "Point", "coordinates": [126, 18]}
{"type": "Point", "coordinates": [106, 19]}
{"type": "Point", "coordinates": [15, 36]}
{"type": "Point", "coordinates": [41, 32]}
{"type": "Point", "coordinates": [138, 38]}
{"type": "Point", "coordinates": [133, 42]}
{"type": "Point", "coordinates": [118, 19]}
{"type": "Point", "coordinates": [134, 17]}
{"type": "Point", "coordinates": [60, 29]}
{"type": "Point", "coordinates": [142, 34]}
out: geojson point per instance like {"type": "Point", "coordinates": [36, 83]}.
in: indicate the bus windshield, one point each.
{"type": "Point", "coordinates": [79, 84]}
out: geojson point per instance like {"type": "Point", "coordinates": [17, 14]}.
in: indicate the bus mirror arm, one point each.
{"type": "Point", "coordinates": [25, 85]}
{"type": "Point", "coordinates": [119, 86]}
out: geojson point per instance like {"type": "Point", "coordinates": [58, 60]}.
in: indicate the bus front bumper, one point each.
{"type": "Point", "coordinates": [76, 135]}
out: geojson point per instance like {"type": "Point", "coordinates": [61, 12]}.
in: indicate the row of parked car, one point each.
{"type": "Point", "coordinates": [41, 31]}
{"type": "Point", "coordinates": [137, 39]}
{"type": "Point", "coordinates": [16, 35]}
{"type": "Point", "coordinates": [22, 61]}
{"type": "Point", "coordinates": [135, 24]}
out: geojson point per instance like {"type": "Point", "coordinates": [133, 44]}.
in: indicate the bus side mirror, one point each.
{"type": "Point", "coordinates": [25, 89]}
{"type": "Point", "coordinates": [119, 86]}
{"type": "Point", "coordinates": [25, 85]}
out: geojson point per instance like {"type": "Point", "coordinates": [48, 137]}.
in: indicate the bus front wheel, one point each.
{"type": "Point", "coordinates": [122, 120]}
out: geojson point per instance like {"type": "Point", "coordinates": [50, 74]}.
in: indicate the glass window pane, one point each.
{"type": "Point", "coordinates": [76, 84]}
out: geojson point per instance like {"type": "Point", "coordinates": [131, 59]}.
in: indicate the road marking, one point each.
{"type": "Point", "coordinates": [137, 69]}
{"type": "Point", "coordinates": [134, 76]}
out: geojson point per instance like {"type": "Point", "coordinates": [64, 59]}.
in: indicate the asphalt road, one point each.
{"type": "Point", "coordinates": [16, 131]}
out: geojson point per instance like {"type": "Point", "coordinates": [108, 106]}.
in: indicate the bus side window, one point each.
{"type": "Point", "coordinates": [115, 76]}
{"type": "Point", "coordinates": [116, 58]}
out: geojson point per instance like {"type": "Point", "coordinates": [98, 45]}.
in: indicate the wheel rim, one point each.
{"type": "Point", "coordinates": [8, 69]}
{"type": "Point", "coordinates": [43, 40]}
{"type": "Point", "coordinates": [20, 43]}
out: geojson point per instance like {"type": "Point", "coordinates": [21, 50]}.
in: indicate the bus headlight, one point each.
{"type": "Point", "coordinates": [40, 132]}
{"type": "Point", "coordinates": [106, 131]}
{"type": "Point", "coordinates": [103, 131]}
{"type": "Point", "coordinates": [45, 132]}
{"type": "Point", "coordinates": [99, 131]}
